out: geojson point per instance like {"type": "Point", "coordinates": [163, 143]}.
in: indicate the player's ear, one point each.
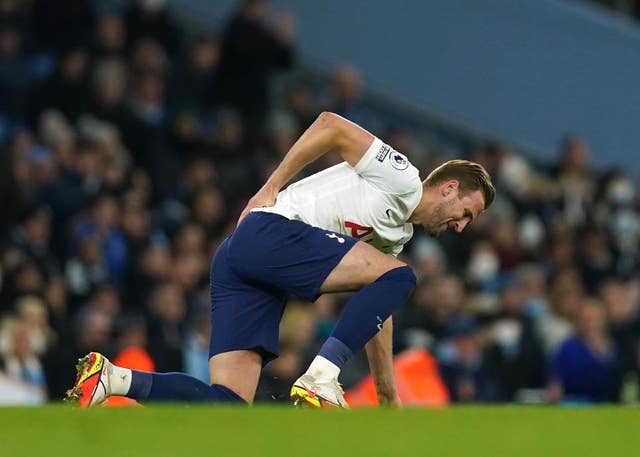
{"type": "Point", "coordinates": [449, 186]}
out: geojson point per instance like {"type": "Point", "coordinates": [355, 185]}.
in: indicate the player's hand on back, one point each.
{"type": "Point", "coordinates": [264, 197]}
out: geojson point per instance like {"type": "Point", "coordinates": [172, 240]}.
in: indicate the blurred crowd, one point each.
{"type": "Point", "coordinates": [628, 7]}
{"type": "Point", "coordinates": [129, 144]}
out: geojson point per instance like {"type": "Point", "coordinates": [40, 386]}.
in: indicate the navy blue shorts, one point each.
{"type": "Point", "coordinates": [267, 258]}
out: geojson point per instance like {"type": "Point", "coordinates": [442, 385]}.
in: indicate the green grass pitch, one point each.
{"type": "Point", "coordinates": [194, 431]}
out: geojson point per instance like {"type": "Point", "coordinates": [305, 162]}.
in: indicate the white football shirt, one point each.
{"type": "Point", "coordinates": [371, 201]}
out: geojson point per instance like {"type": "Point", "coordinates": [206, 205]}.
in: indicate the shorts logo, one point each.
{"type": "Point", "coordinates": [382, 153]}
{"type": "Point", "coordinates": [333, 235]}
{"type": "Point", "coordinates": [398, 161]}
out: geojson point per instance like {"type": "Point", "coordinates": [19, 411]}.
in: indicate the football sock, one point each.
{"type": "Point", "coordinates": [177, 387]}
{"type": "Point", "coordinates": [322, 368]}
{"type": "Point", "coordinates": [140, 385]}
{"type": "Point", "coordinates": [119, 380]}
{"type": "Point", "coordinates": [365, 313]}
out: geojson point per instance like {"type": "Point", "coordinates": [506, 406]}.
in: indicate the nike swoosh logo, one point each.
{"type": "Point", "coordinates": [388, 213]}
{"type": "Point", "coordinates": [311, 394]}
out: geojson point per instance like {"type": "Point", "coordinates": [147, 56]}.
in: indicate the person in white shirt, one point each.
{"type": "Point", "coordinates": [337, 230]}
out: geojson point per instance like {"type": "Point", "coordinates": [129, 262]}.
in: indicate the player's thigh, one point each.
{"type": "Point", "coordinates": [244, 315]}
{"type": "Point", "coordinates": [237, 370]}
{"type": "Point", "coordinates": [245, 322]}
{"type": "Point", "coordinates": [360, 266]}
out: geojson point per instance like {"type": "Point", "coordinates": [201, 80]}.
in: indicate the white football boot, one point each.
{"type": "Point", "coordinates": [307, 390]}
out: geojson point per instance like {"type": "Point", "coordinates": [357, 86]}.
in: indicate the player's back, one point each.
{"type": "Point", "coordinates": [371, 201]}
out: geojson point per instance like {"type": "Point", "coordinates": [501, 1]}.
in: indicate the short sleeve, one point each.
{"type": "Point", "coordinates": [395, 250]}
{"type": "Point", "coordinates": [388, 170]}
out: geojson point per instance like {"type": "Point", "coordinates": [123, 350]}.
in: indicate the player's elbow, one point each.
{"type": "Point", "coordinates": [327, 117]}
{"type": "Point", "coordinates": [333, 125]}
{"type": "Point", "coordinates": [329, 120]}
{"type": "Point", "coordinates": [344, 132]}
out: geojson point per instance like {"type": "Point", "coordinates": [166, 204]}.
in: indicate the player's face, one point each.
{"type": "Point", "coordinates": [455, 211]}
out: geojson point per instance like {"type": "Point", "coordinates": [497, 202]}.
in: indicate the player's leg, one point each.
{"type": "Point", "coordinates": [308, 261]}
{"type": "Point", "coordinates": [239, 370]}
{"type": "Point", "coordinates": [384, 284]}
{"type": "Point", "coordinates": [234, 378]}
{"type": "Point", "coordinates": [245, 319]}
{"type": "Point", "coordinates": [361, 265]}
{"type": "Point", "coordinates": [98, 379]}
{"type": "Point", "coordinates": [244, 334]}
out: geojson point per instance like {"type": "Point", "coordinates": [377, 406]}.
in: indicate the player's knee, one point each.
{"type": "Point", "coordinates": [403, 275]}
{"type": "Point", "coordinates": [408, 275]}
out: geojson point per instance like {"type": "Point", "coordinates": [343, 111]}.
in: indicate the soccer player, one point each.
{"type": "Point", "coordinates": [335, 231]}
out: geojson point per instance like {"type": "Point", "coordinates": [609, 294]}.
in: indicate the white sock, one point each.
{"type": "Point", "coordinates": [323, 369]}
{"type": "Point", "coordinates": [119, 380]}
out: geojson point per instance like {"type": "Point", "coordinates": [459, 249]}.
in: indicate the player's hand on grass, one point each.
{"type": "Point", "coordinates": [390, 400]}
{"type": "Point", "coordinates": [265, 197]}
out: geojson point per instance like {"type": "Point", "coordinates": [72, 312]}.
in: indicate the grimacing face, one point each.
{"type": "Point", "coordinates": [454, 211]}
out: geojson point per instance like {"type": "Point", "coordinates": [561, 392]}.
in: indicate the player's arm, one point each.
{"type": "Point", "coordinates": [380, 355]}
{"type": "Point", "coordinates": [328, 132]}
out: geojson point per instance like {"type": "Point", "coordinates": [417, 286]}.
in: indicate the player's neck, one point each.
{"type": "Point", "coordinates": [424, 207]}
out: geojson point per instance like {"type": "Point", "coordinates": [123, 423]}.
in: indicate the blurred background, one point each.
{"type": "Point", "coordinates": [132, 133]}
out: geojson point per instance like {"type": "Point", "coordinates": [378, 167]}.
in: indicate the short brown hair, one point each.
{"type": "Point", "coordinates": [470, 175]}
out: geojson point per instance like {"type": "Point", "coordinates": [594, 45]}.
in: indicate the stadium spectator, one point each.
{"type": "Point", "coordinates": [513, 351]}
{"type": "Point", "coordinates": [19, 358]}
{"type": "Point", "coordinates": [463, 367]}
{"type": "Point", "coordinates": [207, 209]}
{"type": "Point", "coordinates": [586, 366]}
{"type": "Point", "coordinates": [148, 271]}
{"type": "Point", "coordinates": [229, 152]}
{"type": "Point", "coordinates": [624, 321]}
{"type": "Point", "coordinates": [60, 24]}
{"type": "Point", "coordinates": [67, 90]}
{"type": "Point", "coordinates": [111, 36]}
{"type": "Point", "coordinates": [196, 347]}
{"type": "Point", "coordinates": [251, 51]}
{"type": "Point", "coordinates": [596, 261]}
{"type": "Point", "coordinates": [152, 19]}
{"type": "Point", "coordinates": [61, 351]}
{"type": "Point", "coordinates": [93, 329]}
{"type": "Point", "coordinates": [31, 238]}
{"type": "Point", "coordinates": [299, 101]}
{"type": "Point", "coordinates": [346, 95]}
{"type": "Point", "coordinates": [17, 70]}
{"type": "Point", "coordinates": [87, 270]}
{"type": "Point", "coordinates": [167, 309]}
{"type": "Point", "coordinates": [103, 226]}
{"type": "Point", "coordinates": [195, 87]}
{"type": "Point", "coordinates": [576, 180]}
{"type": "Point", "coordinates": [436, 305]}
{"type": "Point", "coordinates": [109, 86]}
{"type": "Point", "coordinates": [12, 200]}
{"type": "Point", "coordinates": [23, 278]}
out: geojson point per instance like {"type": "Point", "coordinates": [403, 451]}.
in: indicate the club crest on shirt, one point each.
{"type": "Point", "coordinates": [382, 153]}
{"type": "Point", "coordinates": [398, 161]}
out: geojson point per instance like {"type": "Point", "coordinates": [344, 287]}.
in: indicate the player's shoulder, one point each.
{"type": "Point", "coordinates": [389, 170]}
